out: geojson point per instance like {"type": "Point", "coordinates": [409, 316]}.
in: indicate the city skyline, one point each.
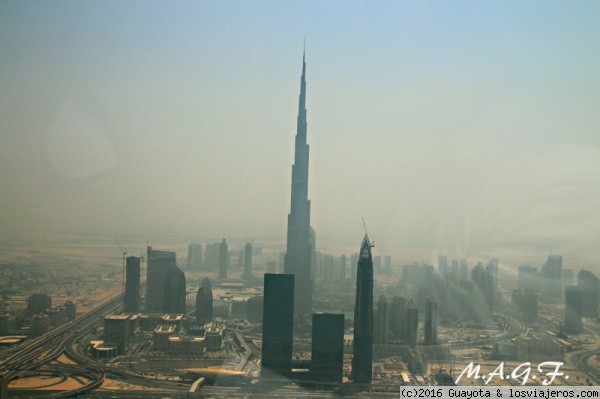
{"type": "Point", "coordinates": [468, 134]}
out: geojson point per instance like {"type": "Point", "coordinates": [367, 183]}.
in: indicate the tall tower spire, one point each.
{"type": "Point", "coordinates": [298, 256]}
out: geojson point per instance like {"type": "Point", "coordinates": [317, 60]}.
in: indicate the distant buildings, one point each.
{"type": "Point", "coordinates": [223, 259]}
{"type": "Point", "coordinates": [573, 309]}
{"type": "Point", "coordinates": [194, 259]}
{"type": "Point", "coordinates": [552, 272]}
{"type": "Point", "coordinates": [588, 283]}
{"type": "Point", "coordinates": [248, 260]}
{"type": "Point", "coordinates": [132, 285]}
{"type": "Point", "coordinates": [362, 359]}
{"type": "Point", "coordinates": [483, 278]}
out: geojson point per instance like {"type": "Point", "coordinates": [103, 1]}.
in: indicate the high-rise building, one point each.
{"type": "Point", "coordinates": [431, 320]}
{"type": "Point", "coordinates": [362, 359]}
{"type": "Point", "coordinates": [298, 256]}
{"type": "Point", "coordinates": [463, 270]}
{"type": "Point", "coordinates": [132, 285]}
{"type": "Point", "coordinates": [552, 273]}
{"type": "Point", "coordinates": [248, 260]}
{"type": "Point", "coordinates": [493, 267]}
{"type": "Point", "coordinates": [398, 318]}
{"type": "Point", "coordinates": [442, 264]}
{"type": "Point", "coordinates": [387, 263]}
{"type": "Point", "coordinates": [343, 262]}
{"type": "Point", "coordinates": [159, 263]}
{"type": "Point", "coordinates": [483, 278]}
{"type": "Point", "coordinates": [204, 303]}
{"type": "Point", "coordinates": [174, 295]}
{"type": "Point", "coordinates": [588, 283]}
{"type": "Point", "coordinates": [223, 259]}
{"type": "Point", "coordinates": [528, 278]}
{"type": "Point", "coordinates": [327, 347]}
{"type": "Point", "coordinates": [278, 320]}
{"type": "Point", "coordinates": [573, 309]}
{"type": "Point", "coordinates": [412, 323]}
{"type": "Point", "coordinates": [194, 259]}
{"type": "Point", "coordinates": [382, 320]}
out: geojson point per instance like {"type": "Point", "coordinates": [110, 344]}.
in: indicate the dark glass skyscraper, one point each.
{"type": "Point", "coordinates": [132, 285]}
{"type": "Point", "coordinates": [573, 309]}
{"type": "Point", "coordinates": [298, 255]}
{"type": "Point", "coordinates": [278, 320]}
{"type": "Point", "coordinates": [159, 263]}
{"type": "Point", "coordinates": [362, 359]}
{"type": "Point", "coordinates": [174, 291]}
{"type": "Point", "coordinates": [204, 303]}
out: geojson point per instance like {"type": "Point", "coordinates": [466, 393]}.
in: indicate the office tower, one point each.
{"type": "Point", "coordinates": [327, 347]}
{"type": "Point", "coordinates": [412, 323]}
{"type": "Point", "coordinates": [353, 266]}
{"type": "Point", "coordinates": [174, 291]}
{"type": "Point", "coordinates": [377, 263]}
{"type": "Point", "coordinates": [484, 280]}
{"type": "Point", "coordinates": [278, 319]}
{"type": "Point", "coordinates": [387, 263]}
{"type": "Point", "coordinates": [343, 262]}
{"type": "Point", "coordinates": [212, 254]}
{"type": "Point", "coordinates": [158, 264]}
{"type": "Point", "coordinates": [573, 309]}
{"type": "Point", "coordinates": [529, 278]}
{"type": "Point", "coordinates": [204, 303]}
{"type": "Point", "coordinates": [248, 260]}
{"type": "Point", "coordinates": [442, 264]}
{"type": "Point", "coordinates": [71, 309]}
{"type": "Point", "coordinates": [530, 305]}
{"type": "Point", "coordinates": [116, 332]}
{"type": "Point", "coordinates": [382, 320]}
{"type": "Point", "coordinates": [432, 316]}
{"type": "Point", "coordinates": [464, 270]}
{"type": "Point", "coordinates": [223, 259]}
{"type": "Point", "coordinates": [327, 268]}
{"type": "Point", "coordinates": [38, 303]}
{"type": "Point", "coordinates": [493, 267]}
{"type": "Point", "coordinates": [362, 359]}
{"type": "Point", "coordinates": [552, 273]}
{"type": "Point", "coordinates": [516, 300]}
{"type": "Point", "coordinates": [588, 283]}
{"type": "Point", "coordinates": [298, 256]}
{"type": "Point", "coordinates": [194, 259]}
{"type": "Point", "coordinates": [240, 258]}
{"type": "Point", "coordinates": [397, 323]}
{"type": "Point", "coordinates": [132, 285]}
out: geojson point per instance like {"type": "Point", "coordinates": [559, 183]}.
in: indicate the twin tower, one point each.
{"type": "Point", "coordinates": [289, 293]}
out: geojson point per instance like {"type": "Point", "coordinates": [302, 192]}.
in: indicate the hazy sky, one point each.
{"type": "Point", "coordinates": [464, 128]}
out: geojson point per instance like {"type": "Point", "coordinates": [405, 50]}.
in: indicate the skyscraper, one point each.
{"type": "Point", "coordinates": [298, 255]}
{"type": "Point", "coordinates": [174, 291]}
{"type": "Point", "coordinates": [278, 320]}
{"type": "Point", "coordinates": [483, 278]}
{"type": "Point", "coordinates": [223, 259]}
{"type": "Point", "coordinates": [412, 323]}
{"type": "Point", "coordinates": [159, 263]}
{"type": "Point", "coordinates": [204, 303]}
{"type": "Point", "coordinates": [362, 359]}
{"type": "Point", "coordinates": [132, 285]}
{"type": "Point", "coordinates": [431, 320]}
{"type": "Point", "coordinates": [382, 320]}
{"type": "Point", "coordinates": [552, 273]}
{"type": "Point", "coordinates": [194, 256]}
{"type": "Point", "coordinates": [588, 283]}
{"type": "Point", "coordinates": [248, 260]}
{"type": "Point", "coordinates": [573, 309]}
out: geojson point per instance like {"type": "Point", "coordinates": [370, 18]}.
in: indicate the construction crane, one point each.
{"type": "Point", "coordinates": [123, 274]}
